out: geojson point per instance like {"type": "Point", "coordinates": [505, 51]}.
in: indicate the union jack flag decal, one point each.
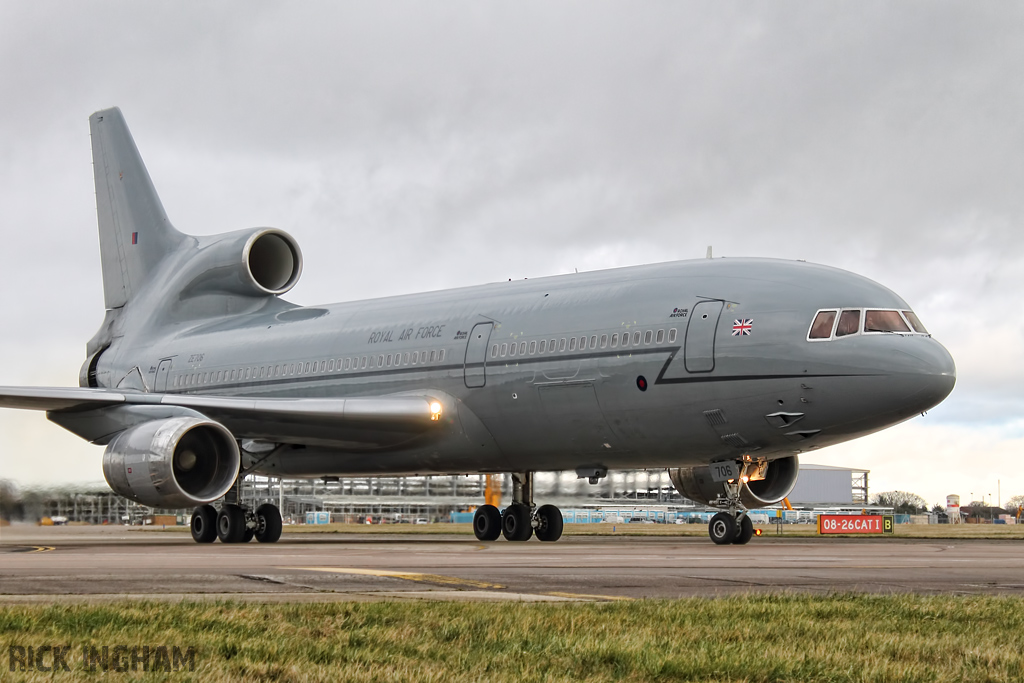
{"type": "Point", "coordinates": [742, 328]}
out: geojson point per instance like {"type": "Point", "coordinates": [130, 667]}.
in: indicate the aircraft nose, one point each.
{"type": "Point", "coordinates": [927, 370]}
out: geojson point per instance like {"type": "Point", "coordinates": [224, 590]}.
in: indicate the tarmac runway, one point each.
{"type": "Point", "coordinates": [47, 564]}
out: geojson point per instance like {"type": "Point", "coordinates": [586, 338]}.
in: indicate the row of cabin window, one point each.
{"type": "Point", "coordinates": [293, 369]}
{"type": "Point", "coordinates": [625, 340]}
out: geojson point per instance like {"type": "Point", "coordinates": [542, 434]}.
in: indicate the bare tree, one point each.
{"type": "Point", "coordinates": [902, 502]}
{"type": "Point", "coordinates": [10, 500]}
{"type": "Point", "coordinates": [1013, 503]}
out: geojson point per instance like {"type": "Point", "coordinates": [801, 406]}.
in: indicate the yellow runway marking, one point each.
{"type": "Point", "coordinates": [43, 548]}
{"type": "Point", "coordinates": [586, 596]}
{"type": "Point", "coordinates": [408, 576]}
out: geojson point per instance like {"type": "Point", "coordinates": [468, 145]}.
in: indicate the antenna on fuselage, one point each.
{"type": "Point", "coordinates": [709, 252]}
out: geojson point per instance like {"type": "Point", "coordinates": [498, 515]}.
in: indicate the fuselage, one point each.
{"type": "Point", "coordinates": [665, 365]}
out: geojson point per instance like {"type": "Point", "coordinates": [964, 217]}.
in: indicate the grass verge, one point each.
{"type": "Point", "coordinates": [743, 638]}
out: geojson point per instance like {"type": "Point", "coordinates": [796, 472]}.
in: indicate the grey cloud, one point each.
{"type": "Point", "coordinates": [413, 146]}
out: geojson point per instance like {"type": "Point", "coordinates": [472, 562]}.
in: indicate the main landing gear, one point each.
{"type": "Point", "coordinates": [520, 520]}
{"type": "Point", "coordinates": [236, 524]}
{"type": "Point", "coordinates": [732, 527]}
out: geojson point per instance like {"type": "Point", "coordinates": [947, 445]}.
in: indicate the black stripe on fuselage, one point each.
{"type": "Point", "coordinates": [697, 378]}
{"type": "Point", "coordinates": [378, 372]}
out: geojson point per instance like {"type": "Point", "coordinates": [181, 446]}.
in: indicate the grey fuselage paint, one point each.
{"type": "Point", "coordinates": [568, 408]}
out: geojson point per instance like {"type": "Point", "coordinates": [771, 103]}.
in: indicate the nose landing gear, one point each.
{"type": "Point", "coordinates": [732, 527]}
{"type": "Point", "coordinates": [726, 529]}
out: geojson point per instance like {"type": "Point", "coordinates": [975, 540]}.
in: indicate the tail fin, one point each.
{"type": "Point", "coordinates": [135, 234]}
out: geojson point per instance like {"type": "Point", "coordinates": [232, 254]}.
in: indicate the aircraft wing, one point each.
{"type": "Point", "coordinates": [357, 421]}
{"type": "Point", "coordinates": [58, 398]}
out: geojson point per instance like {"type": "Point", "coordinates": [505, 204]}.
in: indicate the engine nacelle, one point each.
{"type": "Point", "coordinates": [180, 462]}
{"type": "Point", "coordinates": [253, 263]}
{"type": "Point", "coordinates": [779, 479]}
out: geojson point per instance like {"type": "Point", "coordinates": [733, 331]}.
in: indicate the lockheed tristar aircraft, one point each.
{"type": "Point", "coordinates": [720, 370]}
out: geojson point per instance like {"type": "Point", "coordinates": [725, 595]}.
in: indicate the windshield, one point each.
{"type": "Point", "coordinates": [821, 328]}
{"type": "Point", "coordinates": [884, 321]}
{"type": "Point", "coordinates": [915, 322]}
{"type": "Point", "coordinates": [849, 323]}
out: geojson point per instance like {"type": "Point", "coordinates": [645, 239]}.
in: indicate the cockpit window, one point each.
{"type": "Point", "coordinates": [849, 323]}
{"type": "Point", "coordinates": [915, 322]}
{"type": "Point", "coordinates": [884, 321]}
{"type": "Point", "coordinates": [825, 325]}
{"type": "Point", "coordinates": [821, 328]}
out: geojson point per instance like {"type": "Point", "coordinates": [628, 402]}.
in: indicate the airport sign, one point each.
{"type": "Point", "coordinates": [855, 524]}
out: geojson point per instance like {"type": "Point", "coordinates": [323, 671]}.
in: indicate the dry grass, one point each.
{"type": "Point", "coordinates": [743, 638]}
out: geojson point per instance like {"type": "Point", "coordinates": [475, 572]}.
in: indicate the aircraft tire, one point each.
{"type": "Point", "coordinates": [204, 524]}
{"type": "Point", "coordinates": [268, 523]}
{"type": "Point", "coordinates": [515, 523]}
{"type": "Point", "coordinates": [231, 524]}
{"type": "Point", "coordinates": [745, 533]}
{"type": "Point", "coordinates": [487, 523]}
{"type": "Point", "coordinates": [722, 528]}
{"type": "Point", "coordinates": [250, 532]}
{"type": "Point", "coordinates": [550, 523]}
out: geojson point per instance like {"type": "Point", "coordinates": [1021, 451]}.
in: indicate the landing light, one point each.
{"type": "Point", "coordinates": [757, 532]}
{"type": "Point", "coordinates": [435, 411]}
{"type": "Point", "coordinates": [745, 478]}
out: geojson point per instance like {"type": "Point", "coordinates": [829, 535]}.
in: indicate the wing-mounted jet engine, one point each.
{"type": "Point", "coordinates": [737, 486]}
{"type": "Point", "coordinates": [173, 463]}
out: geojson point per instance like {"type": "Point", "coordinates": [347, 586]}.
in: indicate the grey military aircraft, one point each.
{"type": "Point", "coordinates": [722, 371]}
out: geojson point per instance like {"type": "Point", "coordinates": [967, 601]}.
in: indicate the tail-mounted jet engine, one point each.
{"type": "Point", "coordinates": [259, 262]}
{"type": "Point", "coordinates": [179, 462]}
{"type": "Point", "coordinates": [761, 483]}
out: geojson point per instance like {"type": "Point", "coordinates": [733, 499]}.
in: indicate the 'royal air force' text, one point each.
{"type": "Point", "coordinates": [427, 332]}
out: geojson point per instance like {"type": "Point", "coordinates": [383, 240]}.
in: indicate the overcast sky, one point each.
{"type": "Point", "coordinates": [415, 146]}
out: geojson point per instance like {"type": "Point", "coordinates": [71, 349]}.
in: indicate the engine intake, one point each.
{"type": "Point", "coordinates": [180, 462]}
{"type": "Point", "coordinates": [779, 479]}
{"type": "Point", "coordinates": [273, 260]}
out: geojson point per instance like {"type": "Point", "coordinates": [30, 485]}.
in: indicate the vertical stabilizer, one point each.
{"type": "Point", "coordinates": [135, 234]}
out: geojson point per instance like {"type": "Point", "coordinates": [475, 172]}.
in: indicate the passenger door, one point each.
{"type": "Point", "coordinates": [699, 348]}
{"type": "Point", "coordinates": [475, 368]}
{"type": "Point", "coordinates": [162, 373]}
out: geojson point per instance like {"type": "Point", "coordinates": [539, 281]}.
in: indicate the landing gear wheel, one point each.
{"type": "Point", "coordinates": [204, 524]}
{"type": "Point", "coordinates": [231, 524]}
{"type": "Point", "coordinates": [268, 523]}
{"type": "Point", "coordinates": [549, 523]}
{"type": "Point", "coordinates": [249, 533]}
{"type": "Point", "coordinates": [515, 523]}
{"type": "Point", "coordinates": [745, 533]}
{"type": "Point", "coordinates": [722, 528]}
{"type": "Point", "coordinates": [487, 523]}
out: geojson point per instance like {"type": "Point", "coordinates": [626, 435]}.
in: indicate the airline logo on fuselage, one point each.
{"type": "Point", "coordinates": [680, 312]}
